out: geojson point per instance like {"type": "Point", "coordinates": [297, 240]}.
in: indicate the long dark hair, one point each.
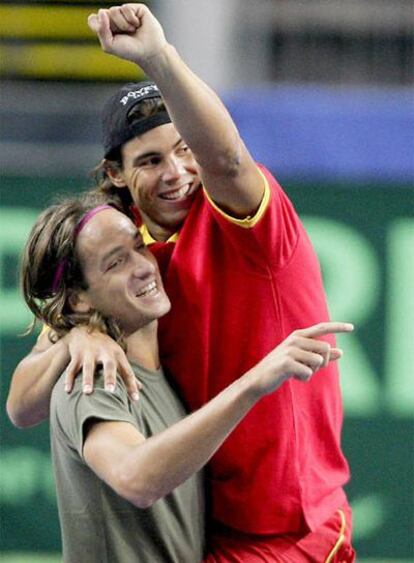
{"type": "Point", "coordinates": [52, 245]}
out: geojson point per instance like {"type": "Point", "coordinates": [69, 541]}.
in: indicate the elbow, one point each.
{"type": "Point", "coordinates": [15, 416]}
{"type": "Point", "coordinates": [144, 502]}
{"type": "Point", "coordinates": [229, 163]}
{"type": "Point", "coordinates": [143, 498]}
{"type": "Point", "coordinates": [21, 418]}
{"type": "Point", "coordinates": [139, 492]}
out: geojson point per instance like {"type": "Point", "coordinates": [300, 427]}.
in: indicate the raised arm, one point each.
{"type": "Point", "coordinates": [142, 471]}
{"type": "Point", "coordinates": [35, 376]}
{"type": "Point", "coordinates": [228, 172]}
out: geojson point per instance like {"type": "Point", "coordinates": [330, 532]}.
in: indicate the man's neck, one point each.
{"type": "Point", "coordinates": [159, 233]}
{"type": "Point", "coordinates": [142, 347]}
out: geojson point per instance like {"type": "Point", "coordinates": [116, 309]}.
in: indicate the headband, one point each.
{"type": "Point", "coordinates": [57, 278]}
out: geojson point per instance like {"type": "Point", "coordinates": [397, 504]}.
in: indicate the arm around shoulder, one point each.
{"type": "Point", "coordinates": [33, 381]}
{"type": "Point", "coordinates": [79, 350]}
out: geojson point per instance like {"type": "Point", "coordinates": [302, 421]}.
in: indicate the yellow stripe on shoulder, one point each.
{"type": "Point", "coordinates": [251, 220]}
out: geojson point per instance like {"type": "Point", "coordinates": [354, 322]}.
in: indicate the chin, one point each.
{"type": "Point", "coordinates": [156, 313]}
{"type": "Point", "coordinates": [167, 307]}
{"type": "Point", "coordinates": [175, 222]}
{"type": "Point", "coordinates": [162, 308]}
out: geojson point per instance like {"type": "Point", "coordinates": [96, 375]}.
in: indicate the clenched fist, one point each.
{"type": "Point", "coordinates": [130, 32]}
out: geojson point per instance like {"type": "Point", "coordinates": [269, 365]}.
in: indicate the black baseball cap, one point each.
{"type": "Point", "coordinates": [117, 129]}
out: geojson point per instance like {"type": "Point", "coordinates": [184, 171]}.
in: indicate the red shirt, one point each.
{"type": "Point", "coordinates": [238, 289]}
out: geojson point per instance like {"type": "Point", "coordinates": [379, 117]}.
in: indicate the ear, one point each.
{"type": "Point", "coordinates": [114, 172]}
{"type": "Point", "coordinates": [79, 302]}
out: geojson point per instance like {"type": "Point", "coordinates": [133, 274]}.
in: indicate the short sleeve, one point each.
{"type": "Point", "coordinates": [72, 411]}
{"type": "Point", "coordinates": [251, 220]}
{"type": "Point", "coordinates": [271, 235]}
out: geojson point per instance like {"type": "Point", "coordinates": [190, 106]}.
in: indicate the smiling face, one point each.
{"type": "Point", "coordinates": [161, 174]}
{"type": "Point", "coordinates": [122, 275]}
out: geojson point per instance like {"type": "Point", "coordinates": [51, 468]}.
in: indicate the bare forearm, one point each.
{"type": "Point", "coordinates": [197, 112]}
{"type": "Point", "coordinates": [154, 468]}
{"type": "Point", "coordinates": [32, 384]}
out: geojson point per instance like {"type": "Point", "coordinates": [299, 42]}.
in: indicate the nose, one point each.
{"type": "Point", "coordinates": [143, 267]}
{"type": "Point", "coordinates": [174, 169]}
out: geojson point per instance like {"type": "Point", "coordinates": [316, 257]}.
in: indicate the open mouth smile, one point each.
{"type": "Point", "coordinates": [175, 195]}
{"type": "Point", "coordinates": [148, 290]}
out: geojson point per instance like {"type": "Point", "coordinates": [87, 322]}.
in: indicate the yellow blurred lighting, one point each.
{"type": "Point", "coordinates": [33, 22]}
{"type": "Point", "coordinates": [59, 60]}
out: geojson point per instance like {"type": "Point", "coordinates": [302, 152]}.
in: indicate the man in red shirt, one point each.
{"type": "Point", "coordinates": [242, 274]}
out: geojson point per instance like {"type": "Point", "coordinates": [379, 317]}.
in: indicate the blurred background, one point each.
{"type": "Point", "coordinates": [322, 92]}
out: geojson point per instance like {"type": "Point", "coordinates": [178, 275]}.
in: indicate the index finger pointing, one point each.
{"type": "Point", "coordinates": [329, 327]}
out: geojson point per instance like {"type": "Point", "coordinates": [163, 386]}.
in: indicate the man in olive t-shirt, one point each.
{"type": "Point", "coordinates": [98, 525]}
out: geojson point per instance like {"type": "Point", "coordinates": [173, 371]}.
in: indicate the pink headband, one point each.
{"type": "Point", "coordinates": [57, 278]}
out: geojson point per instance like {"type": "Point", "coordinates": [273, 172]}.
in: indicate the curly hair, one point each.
{"type": "Point", "coordinates": [52, 244]}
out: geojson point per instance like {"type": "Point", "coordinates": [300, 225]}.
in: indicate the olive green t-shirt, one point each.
{"type": "Point", "coordinates": [97, 525]}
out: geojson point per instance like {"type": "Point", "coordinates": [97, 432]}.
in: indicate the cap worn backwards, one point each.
{"type": "Point", "coordinates": [116, 128]}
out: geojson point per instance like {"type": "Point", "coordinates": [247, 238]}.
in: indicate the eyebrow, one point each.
{"type": "Point", "coordinates": [154, 153]}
